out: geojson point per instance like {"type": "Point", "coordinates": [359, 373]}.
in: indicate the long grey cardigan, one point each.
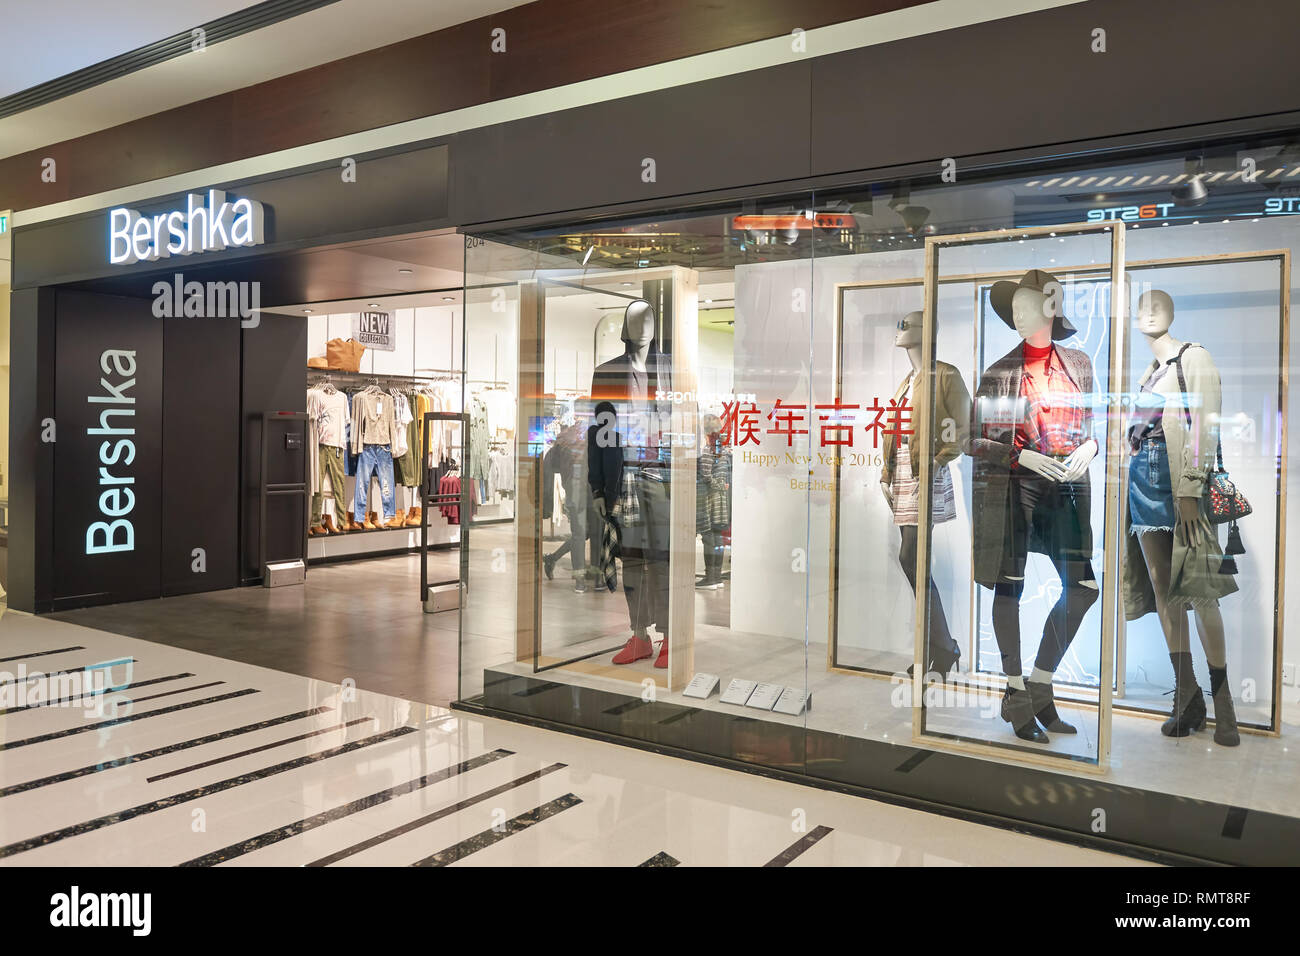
{"type": "Point", "coordinates": [991, 442]}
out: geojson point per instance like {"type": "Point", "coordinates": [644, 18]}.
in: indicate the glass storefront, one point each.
{"type": "Point", "coordinates": [6, 266]}
{"type": "Point", "coordinates": [969, 493]}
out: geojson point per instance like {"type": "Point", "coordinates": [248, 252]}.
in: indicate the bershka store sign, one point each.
{"type": "Point", "coordinates": [206, 224]}
{"type": "Point", "coordinates": [374, 330]}
{"type": "Point", "coordinates": [107, 450]}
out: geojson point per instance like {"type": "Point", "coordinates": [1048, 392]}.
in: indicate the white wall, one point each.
{"type": "Point", "coordinates": [787, 354]}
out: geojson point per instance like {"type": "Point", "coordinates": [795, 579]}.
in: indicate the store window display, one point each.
{"type": "Point", "coordinates": [1173, 558]}
{"type": "Point", "coordinates": [1032, 441]}
{"type": "Point", "coordinates": [1026, 561]}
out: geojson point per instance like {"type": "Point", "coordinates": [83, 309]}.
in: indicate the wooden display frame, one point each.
{"type": "Point", "coordinates": [1081, 694]}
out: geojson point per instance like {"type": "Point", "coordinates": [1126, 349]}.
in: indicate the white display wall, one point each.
{"type": "Point", "coordinates": [781, 545]}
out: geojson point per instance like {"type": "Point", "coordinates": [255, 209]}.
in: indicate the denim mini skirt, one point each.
{"type": "Point", "coordinates": [1150, 489]}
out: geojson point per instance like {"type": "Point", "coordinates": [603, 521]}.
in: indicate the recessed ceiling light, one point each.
{"type": "Point", "coordinates": [306, 310]}
{"type": "Point", "coordinates": [448, 298]}
{"type": "Point", "coordinates": [627, 283]}
{"type": "Point", "coordinates": [372, 305]}
{"type": "Point", "coordinates": [404, 272]}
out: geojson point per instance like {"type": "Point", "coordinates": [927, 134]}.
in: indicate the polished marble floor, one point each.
{"type": "Point", "coordinates": [201, 760]}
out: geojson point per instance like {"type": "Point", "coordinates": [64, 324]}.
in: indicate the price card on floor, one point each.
{"type": "Point", "coordinates": [738, 691]}
{"type": "Point", "coordinates": [765, 696]}
{"type": "Point", "coordinates": [702, 685]}
{"type": "Point", "coordinates": [793, 702]}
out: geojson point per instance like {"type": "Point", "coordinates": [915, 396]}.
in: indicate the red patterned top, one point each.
{"type": "Point", "coordinates": [1052, 423]}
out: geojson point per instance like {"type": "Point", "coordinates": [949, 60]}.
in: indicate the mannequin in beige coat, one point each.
{"type": "Point", "coordinates": [1166, 571]}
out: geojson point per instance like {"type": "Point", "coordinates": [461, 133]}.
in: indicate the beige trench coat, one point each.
{"type": "Point", "coordinates": [1195, 576]}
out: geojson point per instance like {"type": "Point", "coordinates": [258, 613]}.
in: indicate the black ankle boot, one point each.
{"type": "Point", "coordinates": [1225, 716]}
{"type": "Point", "coordinates": [1018, 711]}
{"type": "Point", "coordinates": [1044, 701]}
{"type": "Point", "coordinates": [1188, 714]}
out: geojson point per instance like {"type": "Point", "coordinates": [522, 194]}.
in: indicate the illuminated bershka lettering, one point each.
{"type": "Point", "coordinates": [199, 227]}
{"type": "Point", "coordinates": [117, 451]}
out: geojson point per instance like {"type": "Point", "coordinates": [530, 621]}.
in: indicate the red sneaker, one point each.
{"type": "Point", "coordinates": [636, 649]}
{"type": "Point", "coordinates": [662, 660]}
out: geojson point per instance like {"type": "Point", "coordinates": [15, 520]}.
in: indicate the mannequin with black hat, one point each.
{"type": "Point", "coordinates": [901, 467]}
{"type": "Point", "coordinates": [632, 382]}
{"type": "Point", "coordinates": [1031, 438]}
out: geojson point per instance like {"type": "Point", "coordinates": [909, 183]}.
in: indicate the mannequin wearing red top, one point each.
{"type": "Point", "coordinates": [1032, 442]}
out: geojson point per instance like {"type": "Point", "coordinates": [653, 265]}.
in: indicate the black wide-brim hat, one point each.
{"type": "Point", "coordinates": [1003, 291]}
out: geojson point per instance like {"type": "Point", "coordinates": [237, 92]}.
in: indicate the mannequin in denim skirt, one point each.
{"type": "Point", "coordinates": [1172, 444]}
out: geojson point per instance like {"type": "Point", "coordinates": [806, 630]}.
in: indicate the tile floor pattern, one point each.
{"type": "Point", "coordinates": [205, 761]}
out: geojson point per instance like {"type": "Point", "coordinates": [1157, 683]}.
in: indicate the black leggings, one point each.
{"type": "Point", "coordinates": [939, 640]}
{"type": "Point", "coordinates": [1043, 508]}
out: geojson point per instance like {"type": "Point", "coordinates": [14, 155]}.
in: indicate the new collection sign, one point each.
{"type": "Point", "coordinates": [199, 227]}
{"type": "Point", "coordinates": [374, 330]}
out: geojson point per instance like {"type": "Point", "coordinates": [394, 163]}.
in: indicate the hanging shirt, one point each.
{"type": "Point", "coordinates": [329, 410]}
{"type": "Point", "coordinates": [374, 419]}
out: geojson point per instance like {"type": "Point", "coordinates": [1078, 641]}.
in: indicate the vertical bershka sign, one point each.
{"type": "Point", "coordinates": [108, 449]}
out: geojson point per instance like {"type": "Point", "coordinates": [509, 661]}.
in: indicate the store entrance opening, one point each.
{"type": "Point", "coordinates": [406, 447]}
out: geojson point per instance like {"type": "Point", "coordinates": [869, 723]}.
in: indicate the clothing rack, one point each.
{"type": "Point", "coordinates": [375, 377]}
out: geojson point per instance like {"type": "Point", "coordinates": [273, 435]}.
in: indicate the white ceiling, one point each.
{"type": "Point", "coordinates": [103, 30]}
{"type": "Point", "coordinates": [46, 39]}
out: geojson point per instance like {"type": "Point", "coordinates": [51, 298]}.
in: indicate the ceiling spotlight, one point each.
{"type": "Point", "coordinates": [306, 310]}
{"type": "Point", "coordinates": [372, 305]}
{"type": "Point", "coordinates": [1191, 193]}
{"type": "Point", "coordinates": [403, 272]}
{"type": "Point", "coordinates": [448, 298]}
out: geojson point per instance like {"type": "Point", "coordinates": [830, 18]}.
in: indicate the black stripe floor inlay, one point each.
{"type": "Point", "coordinates": [1235, 822]}
{"type": "Point", "coordinates": [257, 750]}
{"type": "Point", "coordinates": [800, 846]}
{"type": "Point", "coordinates": [102, 724]}
{"type": "Point", "coordinates": [660, 859]}
{"type": "Point", "coordinates": [158, 752]}
{"type": "Point", "coordinates": [54, 675]}
{"type": "Point", "coordinates": [82, 698]}
{"type": "Point", "coordinates": [31, 654]}
{"type": "Point", "coordinates": [45, 839]}
{"type": "Point", "coordinates": [489, 837]}
{"type": "Point", "coordinates": [338, 813]}
{"type": "Point", "coordinates": [435, 816]}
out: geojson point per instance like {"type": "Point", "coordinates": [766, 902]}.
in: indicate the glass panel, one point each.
{"type": "Point", "coordinates": [1222, 655]}
{"type": "Point", "coordinates": [696, 329]}
{"type": "Point", "coordinates": [1035, 306]}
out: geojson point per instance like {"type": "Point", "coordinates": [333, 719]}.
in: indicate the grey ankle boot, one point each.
{"type": "Point", "coordinates": [1225, 717]}
{"type": "Point", "coordinates": [1188, 714]}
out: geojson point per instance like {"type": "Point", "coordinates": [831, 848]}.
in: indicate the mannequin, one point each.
{"type": "Point", "coordinates": [1032, 442]}
{"type": "Point", "coordinates": [631, 382]}
{"type": "Point", "coordinates": [899, 484]}
{"type": "Point", "coordinates": [1172, 446]}
{"type": "Point", "coordinates": [712, 501]}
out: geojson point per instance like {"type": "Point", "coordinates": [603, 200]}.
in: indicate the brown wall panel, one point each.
{"type": "Point", "coordinates": [1164, 67]}
{"type": "Point", "coordinates": [549, 43]}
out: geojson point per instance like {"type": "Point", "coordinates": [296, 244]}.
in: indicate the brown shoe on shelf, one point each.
{"type": "Point", "coordinates": [413, 518]}
{"type": "Point", "coordinates": [352, 524]}
{"type": "Point", "coordinates": [372, 518]}
{"type": "Point", "coordinates": [328, 523]}
{"type": "Point", "coordinates": [315, 530]}
{"type": "Point", "coordinates": [369, 524]}
{"type": "Point", "coordinates": [397, 521]}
